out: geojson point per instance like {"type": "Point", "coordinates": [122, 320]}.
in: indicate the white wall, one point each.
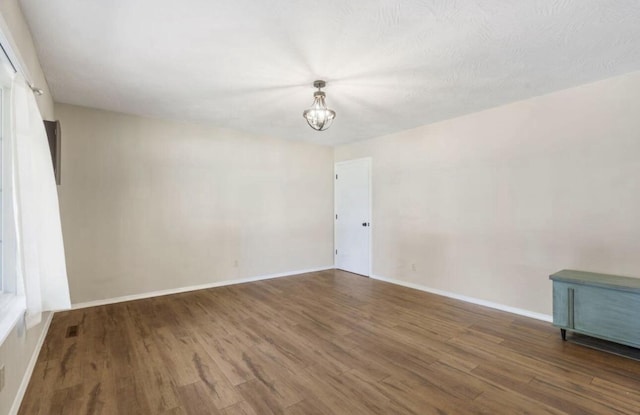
{"type": "Point", "coordinates": [488, 205]}
{"type": "Point", "coordinates": [18, 349]}
{"type": "Point", "coordinates": [16, 353]}
{"type": "Point", "coordinates": [152, 205]}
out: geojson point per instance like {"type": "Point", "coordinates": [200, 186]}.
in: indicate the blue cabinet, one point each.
{"type": "Point", "coordinates": [598, 305]}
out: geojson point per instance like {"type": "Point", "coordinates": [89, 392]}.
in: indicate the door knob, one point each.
{"type": "Point", "coordinates": [365, 223]}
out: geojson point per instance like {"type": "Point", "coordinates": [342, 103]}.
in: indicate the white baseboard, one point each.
{"type": "Point", "coordinates": [497, 306]}
{"type": "Point", "coordinates": [29, 371]}
{"type": "Point", "coordinates": [192, 288]}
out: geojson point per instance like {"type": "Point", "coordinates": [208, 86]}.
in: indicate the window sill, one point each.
{"type": "Point", "coordinates": [12, 308]}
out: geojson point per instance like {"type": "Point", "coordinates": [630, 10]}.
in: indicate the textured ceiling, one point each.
{"type": "Point", "coordinates": [390, 65]}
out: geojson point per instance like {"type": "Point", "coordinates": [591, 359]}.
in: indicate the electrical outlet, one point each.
{"type": "Point", "coordinates": [1, 377]}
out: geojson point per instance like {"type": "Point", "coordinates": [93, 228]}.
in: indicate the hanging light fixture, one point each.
{"type": "Point", "coordinates": [319, 116]}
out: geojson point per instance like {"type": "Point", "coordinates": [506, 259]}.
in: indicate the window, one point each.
{"type": "Point", "coordinates": [2, 134]}
{"type": "Point", "coordinates": [11, 306]}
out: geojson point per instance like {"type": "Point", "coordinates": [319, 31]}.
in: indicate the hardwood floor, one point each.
{"type": "Point", "coordinates": [321, 343]}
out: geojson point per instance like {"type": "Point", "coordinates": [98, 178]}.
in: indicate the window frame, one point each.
{"type": "Point", "coordinates": [12, 305]}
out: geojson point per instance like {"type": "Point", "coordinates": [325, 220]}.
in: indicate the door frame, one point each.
{"type": "Point", "coordinates": [369, 161]}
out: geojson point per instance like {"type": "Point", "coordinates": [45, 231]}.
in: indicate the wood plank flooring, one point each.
{"type": "Point", "coordinates": [321, 343]}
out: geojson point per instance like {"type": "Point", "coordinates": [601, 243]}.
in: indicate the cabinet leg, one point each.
{"type": "Point", "coordinates": [563, 333]}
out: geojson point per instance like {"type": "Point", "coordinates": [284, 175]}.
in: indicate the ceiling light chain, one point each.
{"type": "Point", "coordinates": [319, 117]}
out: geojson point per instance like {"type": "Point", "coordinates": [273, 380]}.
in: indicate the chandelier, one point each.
{"type": "Point", "coordinates": [319, 117]}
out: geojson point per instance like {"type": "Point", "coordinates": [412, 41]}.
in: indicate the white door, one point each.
{"type": "Point", "coordinates": [353, 216]}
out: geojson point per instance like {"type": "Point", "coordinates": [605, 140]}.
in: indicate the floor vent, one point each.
{"type": "Point", "coordinates": [72, 331]}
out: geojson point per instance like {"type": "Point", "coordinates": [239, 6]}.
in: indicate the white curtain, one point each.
{"type": "Point", "coordinates": [41, 268]}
